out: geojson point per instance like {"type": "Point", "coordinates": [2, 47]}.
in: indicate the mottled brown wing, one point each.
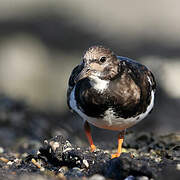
{"type": "Point", "coordinates": [131, 88]}
{"type": "Point", "coordinates": [137, 70]}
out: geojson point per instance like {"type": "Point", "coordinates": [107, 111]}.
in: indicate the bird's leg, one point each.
{"type": "Point", "coordinates": [120, 142]}
{"type": "Point", "coordinates": [89, 137]}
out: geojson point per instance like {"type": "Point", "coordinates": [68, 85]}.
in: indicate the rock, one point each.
{"type": "Point", "coordinates": [58, 155]}
{"type": "Point", "coordinates": [63, 170]}
{"type": "Point", "coordinates": [142, 178]}
{"type": "Point", "coordinates": [125, 165]}
{"type": "Point", "coordinates": [97, 177]}
{"type": "Point", "coordinates": [59, 152]}
{"type": "Point", "coordinates": [1, 150]}
{"type": "Point", "coordinates": [75, 172]}
{"type": "Point", "coordinates": [146, 156]}
{"type": "Point", "coordinates": [178, 167]}
{"type": "Point", "coordinates": [130, 178]}
{"type": "Point", "coordinates": [54, 149]}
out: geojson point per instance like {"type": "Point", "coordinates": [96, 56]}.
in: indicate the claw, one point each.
{"type": "Point", "coordinates": [93, 147]}
{"type": "Point", "coordinates": [120, 142]}
{"type": "Point", "coordinates": [116, 155]}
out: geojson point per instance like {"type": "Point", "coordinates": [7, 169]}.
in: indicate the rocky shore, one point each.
{"type": "Point", "coordinates": [25, 156]}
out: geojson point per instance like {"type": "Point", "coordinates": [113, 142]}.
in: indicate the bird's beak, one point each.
{"type": "Point", "coordinates": [83, 74]}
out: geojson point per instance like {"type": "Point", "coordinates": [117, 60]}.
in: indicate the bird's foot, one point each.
{"type": "Point", "coordinates": [116, 155]}
{"type": "Point", "coordinates": [93, 147]}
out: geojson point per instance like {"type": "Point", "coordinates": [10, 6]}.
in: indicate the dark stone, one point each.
{"type": "Point", "coordinates": [125, 165]}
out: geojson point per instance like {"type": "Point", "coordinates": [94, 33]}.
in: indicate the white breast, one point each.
{"type": "Point", "coordinates": [98, 84]}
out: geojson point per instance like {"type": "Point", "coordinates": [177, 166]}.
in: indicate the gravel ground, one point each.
{"type": "Point", "coordinates": [25, 155]}
{"type": "Point", "coordinates": [152, 158]}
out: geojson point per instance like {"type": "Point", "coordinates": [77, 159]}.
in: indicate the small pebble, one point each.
{"type": "Point", "coordinates": [38, 152]}
{"type": "Point", "coordinates": [107, 151]}
{"type": "Point", "coordinates": [42, 169]}
{"type": "Point", "coordinates": [6, 167]}
{"type": "Point", "coordinates": [142, 178]}
{"type": "Point", "coordinates": [17, 160]}
{"type": "Point", "coordinates": [97, 177]}
{"type": "Point", "coordinates": [178, 167]}
{"type": "Point", "coordinates": [130, 178]}
{"type": "Point", "coordinates": [55, 146]}
{"type": "Point", "coordinates": [75, 172]}
{"type": "Point", "coordinates": [78, 162]}
{"type": "Point", "coordinates": [61, 176]}
{"type": "Point", "coordinates": [10, 163]}
{"type": "Point", "coordinates": [63, 169]}
{"type": "Point", "coordinates": [67, 149]}
{"type": "Point", "coordinates": [45, 142]}
{"type": "Point", "coordinates": [24, 155]}
{"type": "Point", "coordinates": [1, 150]}
{"type": "Point", "coordinates": [85, 162]}
{"type": "Point", "coordinates": [4, 159]}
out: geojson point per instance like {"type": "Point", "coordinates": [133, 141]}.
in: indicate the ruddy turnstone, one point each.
{"type": "Point", "coordinates": [110, 92]}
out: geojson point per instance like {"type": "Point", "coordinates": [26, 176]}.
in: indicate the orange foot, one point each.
{"type": "Point", "coordinates": [93, 147]}
{"type": "Point", "coordinates": [116, 155]}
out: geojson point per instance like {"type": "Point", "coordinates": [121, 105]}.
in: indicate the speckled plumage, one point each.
{"type": "Point", "coordinates": [128, 94]}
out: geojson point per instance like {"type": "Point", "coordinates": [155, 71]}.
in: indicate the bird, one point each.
{"type": "Point", "coordinates": [110, 92]}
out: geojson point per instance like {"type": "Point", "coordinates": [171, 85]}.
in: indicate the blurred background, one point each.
{"type": "Point", "coordinates": [41, 41]}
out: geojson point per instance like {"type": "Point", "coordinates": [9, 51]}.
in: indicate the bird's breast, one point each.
{"type": "Point", "coordinates": [112, 104]}
{"type": "Point", "coordinates": [109, 119]}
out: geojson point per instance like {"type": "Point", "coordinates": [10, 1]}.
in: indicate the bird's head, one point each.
{"type": "Point", "coordinates": [100, 62]}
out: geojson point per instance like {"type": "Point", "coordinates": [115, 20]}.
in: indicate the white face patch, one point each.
{"type": "Point", "coordinates": [98, 84]}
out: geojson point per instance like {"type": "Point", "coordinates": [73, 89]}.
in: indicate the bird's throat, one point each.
{"type": "Point", "coordinates": [99, 84]}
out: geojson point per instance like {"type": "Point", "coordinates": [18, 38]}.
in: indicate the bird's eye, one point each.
{"type": "Point", "coordinates": [103, 59]}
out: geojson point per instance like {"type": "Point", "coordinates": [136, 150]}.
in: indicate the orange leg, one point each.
{"type": "Point", "coordinates": [120, 142]}
{"type": "Point", "coordinates": [89, 137]}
